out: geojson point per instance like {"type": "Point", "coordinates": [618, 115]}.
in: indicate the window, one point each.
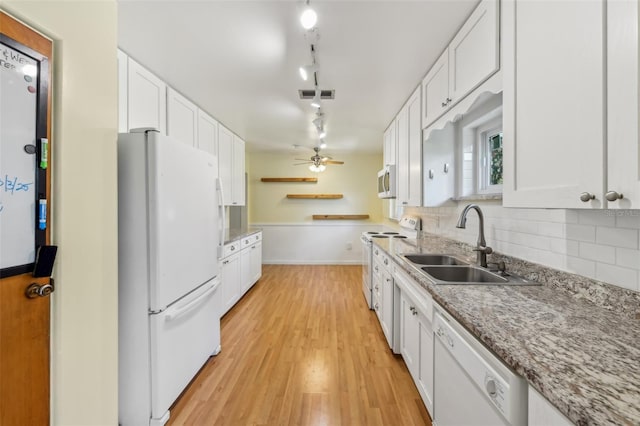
{"type": "Point", "coordinates": [490, 158]}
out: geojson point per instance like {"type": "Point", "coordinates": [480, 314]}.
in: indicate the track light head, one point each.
{"type": "Point", "coordinates": [309, 18]}
{"type": "Point", "coordinates": [316, 100]}
{"type": "Point", "coordinates": [306, 71]}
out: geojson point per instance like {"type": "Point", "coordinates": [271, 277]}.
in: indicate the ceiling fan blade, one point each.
{"type": "Point", "coordinates": [302, 159]}
{"type": "Point", "coordinates": [326, 158]}
{"type": "Point", "coordinates": [306, 162]}
{"type": "Point", "coordinates": [333, 162]}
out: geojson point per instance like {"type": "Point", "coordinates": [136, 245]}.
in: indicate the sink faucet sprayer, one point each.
{"type": "Point", "coordinates": [482, 248]}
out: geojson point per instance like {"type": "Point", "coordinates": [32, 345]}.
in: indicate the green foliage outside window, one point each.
{"type": "Point", "coordinates": [495, 147]}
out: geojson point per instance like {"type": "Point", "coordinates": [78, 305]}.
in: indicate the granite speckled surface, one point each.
{"type": "Point", "coordinates": [235, 234]}
{"type": "Point", "coordinates": [572, 346]}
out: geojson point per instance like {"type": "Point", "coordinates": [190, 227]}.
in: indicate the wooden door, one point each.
{"type": "Point", "coordinates": [24, 322]}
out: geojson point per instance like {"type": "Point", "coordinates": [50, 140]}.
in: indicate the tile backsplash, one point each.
{"type": "Point", "coordinates": [599, 244]}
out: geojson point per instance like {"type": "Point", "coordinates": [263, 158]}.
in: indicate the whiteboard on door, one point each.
{"type": "Point", "coordinates": [19, 116]}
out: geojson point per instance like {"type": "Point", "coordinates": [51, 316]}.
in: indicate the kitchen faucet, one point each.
{"type": "Point", "coordinates": [481, 248]}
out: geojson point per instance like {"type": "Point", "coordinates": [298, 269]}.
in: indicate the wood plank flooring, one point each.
{"type": "Point", "coordinates": [301, 348]}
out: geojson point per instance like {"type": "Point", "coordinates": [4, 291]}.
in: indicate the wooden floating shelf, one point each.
{"type": "Point", "coordinates": [340, 216]}
{"type": "Point", "coordinates": [294, 179]}
{"type": "Point", "coordinates": [316, 196]}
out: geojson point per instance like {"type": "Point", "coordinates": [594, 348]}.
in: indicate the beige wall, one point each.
{"type": "Point", "coordinates": [355, 179]}
{"type": "Point", "coordinates": [84, 306]}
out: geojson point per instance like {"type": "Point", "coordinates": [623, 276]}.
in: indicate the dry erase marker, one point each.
{"type": "Point", "coordinates": [42, 221]}
{"type": "Point", "coordinates": [44, 152]}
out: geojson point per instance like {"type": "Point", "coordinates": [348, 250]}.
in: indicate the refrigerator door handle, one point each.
{"type": "Point", "coordinates": [222, 215]}
{"type": "Point", "coordinates": [175, 312]}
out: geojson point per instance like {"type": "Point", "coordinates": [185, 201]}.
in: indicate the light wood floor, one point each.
{"type": "Point", "coordinates": [301, 348]}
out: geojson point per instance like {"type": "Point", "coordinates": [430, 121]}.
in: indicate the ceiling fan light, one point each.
{"type": "Point", "coordinates": [317, 168]}
{"type": "Point", "coordinates": [309, 18]}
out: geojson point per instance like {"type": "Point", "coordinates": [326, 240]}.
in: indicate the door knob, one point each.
{"type": "Point", "coordinates": [586, 197]}
{"type": "Point", "coordinates": [36, 290]}
{"type": "Point", "coordinates": [613, 196]}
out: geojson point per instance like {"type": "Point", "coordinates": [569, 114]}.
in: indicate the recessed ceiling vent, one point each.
{"type": "Point", "coordinates": [310, 93]}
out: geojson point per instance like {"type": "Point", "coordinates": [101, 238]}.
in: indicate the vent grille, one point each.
{"type": "Point", "coordinates": [310, 93]}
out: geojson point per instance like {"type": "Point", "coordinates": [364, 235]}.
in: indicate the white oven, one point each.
{"type": "Point", "coordinates": [408, 227]}
{"type": "Point", "coordinates": [366, 268]}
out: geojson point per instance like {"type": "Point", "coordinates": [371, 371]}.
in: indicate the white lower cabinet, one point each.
{"type": "Point", "coordinates": [416, 335]}
{"type": "Point", "coordinates": [383, 292]}
{"type": "Point", "coordinates": [256, 262]}
{"type": "Point", "coordinates": [542, 413]}
{"type": "Point", "coordinates": [230, 274]}
{"type": "Point", "coordinates": [241, 268]}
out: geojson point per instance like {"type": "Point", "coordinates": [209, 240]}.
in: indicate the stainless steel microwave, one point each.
{"type": "Point", "coordinates": [387, 182]}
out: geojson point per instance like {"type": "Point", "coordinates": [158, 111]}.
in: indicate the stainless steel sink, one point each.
{"type": "Point", "coordinates": [434, 259]}
{"type": "Point", "coordinates": [462, 275]}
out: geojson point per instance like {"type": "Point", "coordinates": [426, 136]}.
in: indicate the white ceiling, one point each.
{"type": "Point", "coordinates": [238, 60]}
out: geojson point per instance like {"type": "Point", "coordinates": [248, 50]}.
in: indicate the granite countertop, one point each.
{"type": "Point", "coordinates": [583, 357]}
{"type": "Point", "coordinates": [235, 234]}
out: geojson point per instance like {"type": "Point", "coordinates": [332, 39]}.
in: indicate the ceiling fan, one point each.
{"type": "Point", "coordinates": [318, 163]}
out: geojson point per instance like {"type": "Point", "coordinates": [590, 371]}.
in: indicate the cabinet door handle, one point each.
{"type": "Point", "coordinates": [613, 196]}
{"type": "Point", "coordinates": [444, 104]}
{"type": "Point", "coordinates": [585, 197]}
{"type": "Point", "coordinates": [448, 101]}
{"type": "Point", "coordinates": [233, 248]}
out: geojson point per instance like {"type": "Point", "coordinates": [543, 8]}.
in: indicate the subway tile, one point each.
{"type": "Point", "coordinates": [580, 266]}
{"type": "Point", "coordinates": [552, 229]}
{"type": "Point", "coordinates": [562, 246]}
{"type": "Point", "coordinates": [571, 216]}
{"type": "Point", "coordinates": [596, 217]}
{"type": "Point", "coordinates": [627, 218]}
{"type": "Point", "coordinates": [599, 253]}
{"type": "Point", "coordinates": [617, 275]}
{"type": "Point", "coordinates": [618, 237]}
{"type": "Point", "coordinates": [628, 258]}
{"type": "Point", "coordinates": [581, 232]}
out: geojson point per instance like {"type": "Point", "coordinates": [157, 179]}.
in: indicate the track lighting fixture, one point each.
{"type": "Point", "coordinates": [322, 134]}
{"type": "Point", "coordinates": [309, 18]}
{"type": "Point", "coordinates": [316, 99]}
{"type": "Point", "coordinates": [306, 71]}
{"type": "Point", "coordinates": [323, 145]}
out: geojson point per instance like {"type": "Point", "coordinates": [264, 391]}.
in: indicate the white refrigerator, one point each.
{"type": "Point", "coordinates": [169, 234]}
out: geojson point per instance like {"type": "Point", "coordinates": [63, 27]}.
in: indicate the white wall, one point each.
{"type": "Point", "coordinates": [599, 244]}
{"type": "Point", "coordinates": [84, 208]}
{"type": "Point", "coordinates": [290, 234]}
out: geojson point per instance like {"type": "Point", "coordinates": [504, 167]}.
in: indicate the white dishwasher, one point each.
{"type": "Point", "coordinates": [471, 386]}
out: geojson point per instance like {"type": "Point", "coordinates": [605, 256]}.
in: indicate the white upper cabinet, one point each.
{"type": "Point", "coordinates": [474, 53]}
{"type": "Point", "coordinates": [390, 145]}
{"type": "Point", "coordinates": [554, 103]}
{"type": "Point", "coordinates": [231, 167]}
{"type": "Point", "coordinates": [122, 92]}
{"type": "Point", "coordinates": [435, 89]}
{"type": "Point", "coordinates": [182, 118]}
{"type": "Point", "coordinates": [409, 161]}
{"type": "Point", "coordinates": [225, 161]}
{"type": "Point", "coordinates": [207, 133]}
{"type": "Point", "coordinates": [471, 58]}
{"type": "Point", "coordinates": [623, 144]}
{"type": "Point", "coordinates": [238, 190]}
{"type": "Point", "coordinates": [146, 99]}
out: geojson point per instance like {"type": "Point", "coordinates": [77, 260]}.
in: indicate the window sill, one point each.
{"type": "Point", "coordinates": [478, 197]}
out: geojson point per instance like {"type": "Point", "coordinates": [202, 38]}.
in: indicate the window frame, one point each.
{"type": "Point", "coordinates": [483, 168]}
